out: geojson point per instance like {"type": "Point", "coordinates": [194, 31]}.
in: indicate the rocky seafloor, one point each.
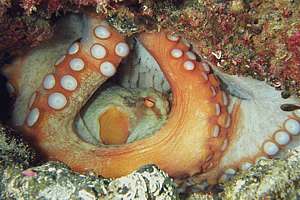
{"type": "Point", "coordinates": [23, 177]}
{"type": "Point", "coordinates": [250, 38]}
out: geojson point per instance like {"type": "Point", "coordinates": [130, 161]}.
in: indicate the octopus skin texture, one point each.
{"type": "Point", "coordinates": [218, 124]}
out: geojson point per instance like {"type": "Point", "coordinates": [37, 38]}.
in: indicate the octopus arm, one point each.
{"type": "Point", "coordinates": [207, 133]}
{"type": "Point", "coordinates": [261, 128]}
{"type": "Point", "coordinates": [190, 142]}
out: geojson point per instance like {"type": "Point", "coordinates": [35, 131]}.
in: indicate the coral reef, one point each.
{"type": "Point", "coordinates": [54, 180]}
{"type": "Point", "coordinates": [273, 179]}
{"type": "Point", "coordinates": [268, 179]}
{"type": "Point", "coordinates": [13, 152]}
{"type": "Point", "coordinates": [257, 38]}
{"type": "Point", "coordinates": [19, 31]}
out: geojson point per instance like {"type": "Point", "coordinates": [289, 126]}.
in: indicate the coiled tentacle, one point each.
{"type": "Point", "coordinates": [190, 142]}
{"type": "Point", "coordinates": [208, 132]}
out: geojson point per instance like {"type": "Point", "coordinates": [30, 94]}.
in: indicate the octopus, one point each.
{"type": "Point", "coordinates": [173, 109]}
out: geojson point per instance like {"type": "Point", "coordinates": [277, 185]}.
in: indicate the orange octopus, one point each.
{"type": "Point", "coordinates": [200, 138]}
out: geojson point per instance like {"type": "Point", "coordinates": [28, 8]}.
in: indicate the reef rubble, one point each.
{"type": "Point", "coordinates": [22, 179]}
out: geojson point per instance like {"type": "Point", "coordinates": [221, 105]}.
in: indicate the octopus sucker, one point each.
{"type": "Point", "coordinates": [169, 107]}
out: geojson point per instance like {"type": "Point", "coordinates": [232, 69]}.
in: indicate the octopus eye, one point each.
{"type": "Point", "coordinates": [149, 102]}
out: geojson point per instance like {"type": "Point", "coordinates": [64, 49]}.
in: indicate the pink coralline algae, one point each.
{"type": "Point", "coordinates": [52, 6]}
{"type": "Point", "coordinates": [19, 30]}
{"type": "Point", "coordinates": [250, 38]}
{"type": "Point", "coordinates": [293, 44]}
{"type": "Point", "coordinates": [292, 61]}
{"type": "Point", "coordinates": [29, 173]}
{"type": "Point", "coordinates": [55, 5]}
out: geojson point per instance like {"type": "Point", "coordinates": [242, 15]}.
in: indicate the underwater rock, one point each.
{"type": "Point", "coordinates": [13, 148]}
{"type": "Point", "coordinates": [267, 179]}
{"type": "Point", "coordinates": [271, 179]}
{"type": "Point", "coordinates": [14, 156]}
{"type": "Point", "coordinates": [55, 180]}
{"type": "Point", "coordinates": [146, 183]}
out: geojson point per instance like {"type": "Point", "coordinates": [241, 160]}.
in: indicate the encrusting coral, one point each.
{"type": "Point", "coordinates": [267, 179]}
{"type": "Point", "coordinates": [18, 30]}
{"type": "Point", "coordinates": [55, 180]}
{"type": "Point", "coordinates": [257, 38]}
